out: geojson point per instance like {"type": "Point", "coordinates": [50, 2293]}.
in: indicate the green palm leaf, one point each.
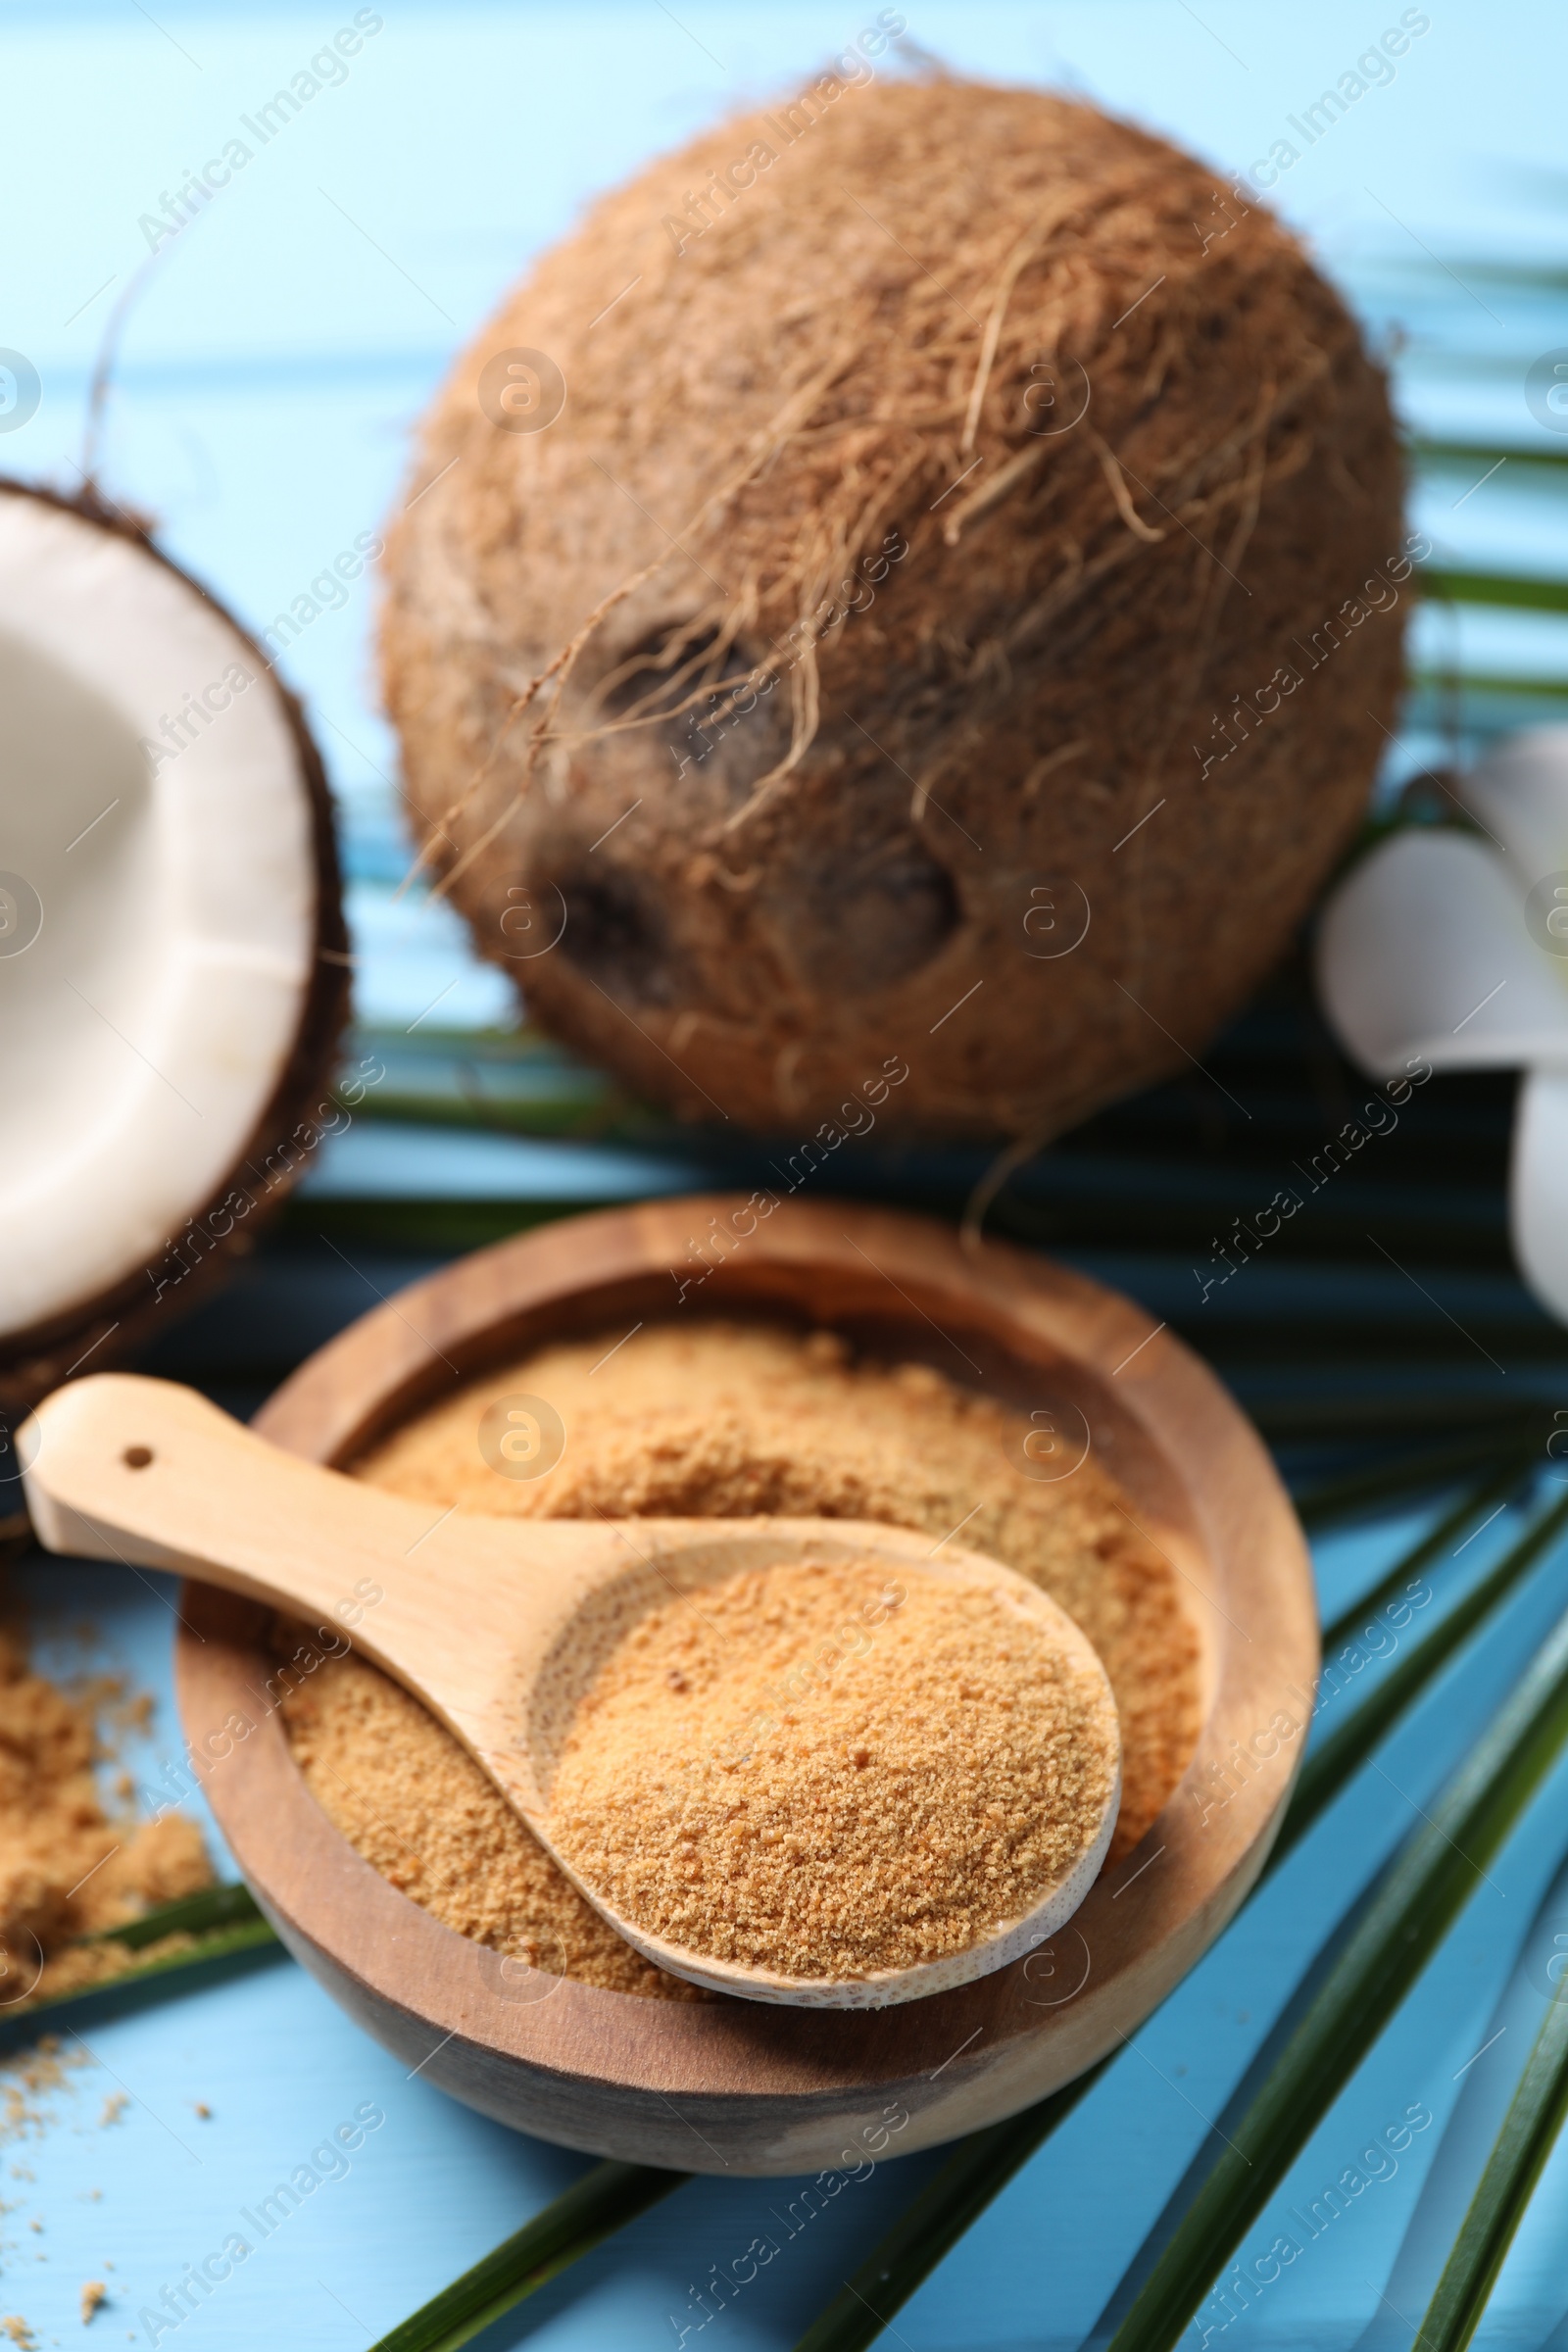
{"type": "Point", "coordinates": [224, 1907]}
{"type": "Point", "coordinates": [1529, 2131]}
{"type": "Point", "coordinates": [1512, 588]}
{"type": "Point", "coordinates": [167, 1973]}
{"type": "Point", "coordinates": [1341, 1754]}
{"type": "Point", "coordinates": [1496, 685]}
{"type": "Point", "coordinates": [602, 2201]}
{"type": "Point", "coordinates": [1354, 1491]}
{"type": "Point", "coordinates": [981, 2166]}
{"type": "Point", "coordinates": [224, 1923]}
{"type": "Point", "coordinates": [1400, 1929]}
{"type": "Point", "coordinates": [1495, 1490]}
{"type": "Point", "coordinates": [1484, 453]}
{"type": "Point", "coordinates": [978, 2169]}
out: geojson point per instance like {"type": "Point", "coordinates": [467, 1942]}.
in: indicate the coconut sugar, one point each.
{"type": "Point", "coordinates": [817, 1770]}
{"type": "Point", "coordinates": [67, 1868]}
{"type": "Point", "coordinates": [420, 1810]}
{"type": "Point", "coordinates": [725, 1420]}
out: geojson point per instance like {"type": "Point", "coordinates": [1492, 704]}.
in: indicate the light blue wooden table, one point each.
{"type": "Point", "coordinates": [267, 382]}
{"type": "Point", "coordinates": [432, 2186]}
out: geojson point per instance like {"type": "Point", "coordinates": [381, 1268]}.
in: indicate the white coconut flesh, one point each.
{"type": "Point", "coordinates": [158, 906]}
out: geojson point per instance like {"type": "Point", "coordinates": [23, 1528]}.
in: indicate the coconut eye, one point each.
{"type": "Point", "coordinates": [615, 935]}
{"type": "Point", "coordinates": [661, 670]}
{"type": "Point", "coordinates": [857, 924]}
{"type": "Point", "coordinates": [766, 614]}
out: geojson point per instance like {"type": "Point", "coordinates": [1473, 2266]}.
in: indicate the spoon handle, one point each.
{"type": "Point", "coordinates": [460, 1610]}
{"type": "Point", "coordinates": [123, 1468]}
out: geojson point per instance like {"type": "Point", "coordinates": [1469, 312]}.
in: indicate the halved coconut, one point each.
{"type": "Point", "coordinates": [172, 965]}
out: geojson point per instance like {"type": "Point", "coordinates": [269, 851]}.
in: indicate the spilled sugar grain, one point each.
{"type": "Point", "coordinates": [67, 1868]}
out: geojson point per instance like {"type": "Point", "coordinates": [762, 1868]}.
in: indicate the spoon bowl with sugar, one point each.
{"type": "Point", "coordinates": [814, 1762]}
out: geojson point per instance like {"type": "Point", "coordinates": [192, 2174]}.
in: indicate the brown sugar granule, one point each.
{"type": "Point", "coordinates": [715, 1420]}
{"type": "Point", "coordinates": [815, 1770]}
{"type": "Point", "coordinates": [710, 1419]}
{"type": "Point", "coordinates": [418, 1808]}
{"type": "Point", "coordinates": [67, 1869]}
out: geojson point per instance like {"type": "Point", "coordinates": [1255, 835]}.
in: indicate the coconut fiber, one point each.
{"type": "Point", "coordinates": [920, 570]}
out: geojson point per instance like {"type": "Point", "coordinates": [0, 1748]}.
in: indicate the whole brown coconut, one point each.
{"type": "Point", "coordinates": [913, 581]}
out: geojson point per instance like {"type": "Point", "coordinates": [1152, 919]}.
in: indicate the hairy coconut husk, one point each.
{"type": "Point", "coordinates": [113, 1324]}
{"type": "Point", "coordinates": [1139, 468]}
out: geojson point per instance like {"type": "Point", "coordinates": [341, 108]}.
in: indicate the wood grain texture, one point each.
{"type": "Point", "coordinates": [729, 2085]}
{"type": "Point", "coordinates": [498, 1626]}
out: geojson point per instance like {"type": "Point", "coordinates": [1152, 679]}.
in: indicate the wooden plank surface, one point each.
{"type": "Point", "coordinates": [267, 386]}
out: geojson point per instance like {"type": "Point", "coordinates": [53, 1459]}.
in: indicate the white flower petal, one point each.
{"type": "Point", "coordinates": [1423, 953]}
{"type": "Point", "coordinates": [1520, 793]}
{"type": "Point", "coordinates": [1539, 1186]}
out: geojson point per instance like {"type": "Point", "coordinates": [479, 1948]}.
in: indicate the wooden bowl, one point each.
{"type": "Point", "coordinates": [732, 2085]}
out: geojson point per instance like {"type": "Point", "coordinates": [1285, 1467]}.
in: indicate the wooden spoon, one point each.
{"type": "Point", "coordinates": [498, 1626]}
